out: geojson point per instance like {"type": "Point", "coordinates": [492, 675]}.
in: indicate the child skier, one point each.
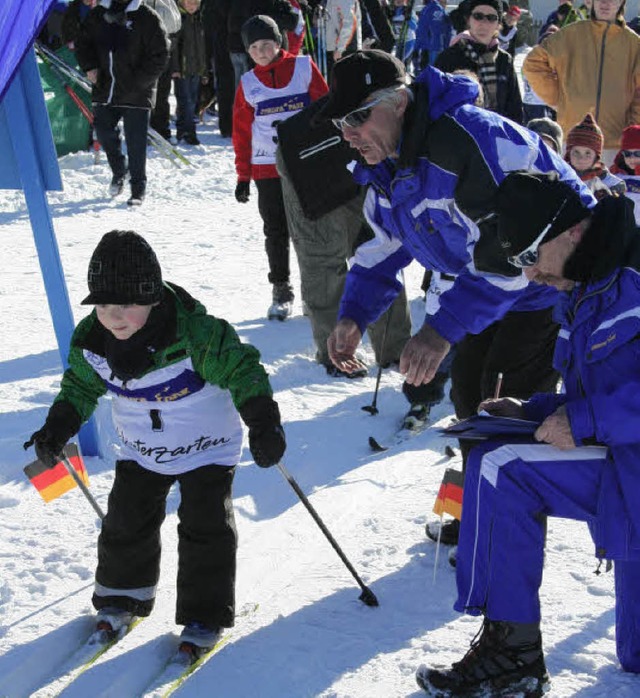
{"type": "Point", "coordinates": [627, 166]}
{"type": "Point", "coordinates": [279, 86]}
{"type": "Point", "coordinates": [584, 153]}
{"type": "Point", "coordinates": [179, 380]}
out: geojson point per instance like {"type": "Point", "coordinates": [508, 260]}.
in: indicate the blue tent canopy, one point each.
{"type": "Point", "coordinates": [28, 158]}
{"type": "Point", "coordinates": [20, 23]}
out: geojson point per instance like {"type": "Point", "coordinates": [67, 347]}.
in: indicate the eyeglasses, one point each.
{"type": "Point", "coordinates": [631, 153]}
{"type": "Point", "coordinates": [529, 257]}
{"type": "Point", "coordinates": [357, 117]}
{"type": "Point", "coordinates": [479, 16]}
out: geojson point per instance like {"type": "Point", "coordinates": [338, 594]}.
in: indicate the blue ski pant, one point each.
{"type": "Point", "coordinates": [509, 491]}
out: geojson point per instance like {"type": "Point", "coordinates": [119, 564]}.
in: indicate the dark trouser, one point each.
{"type": "Point", "coordinates": [225, 80]}
{"type": "Point", "coordinates": [276, 232]}
{"type": "Point", "coordinates": [520, 346]}
{"type": "Point", "coordinates": [161, 114]}
{"type": "Point", "coordinates": [136, 123]}
{"type": "Point", "coordinates": [186, 90]}
{"type": "Point", "coordinates": [129, 543]}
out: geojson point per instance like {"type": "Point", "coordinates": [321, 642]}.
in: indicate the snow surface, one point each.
{"type": "Point", "coordinates": [310, 635]}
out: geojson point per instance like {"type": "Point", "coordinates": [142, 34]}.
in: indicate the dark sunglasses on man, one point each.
{"type": "Point", "coordinates": [357, 117]}
{"type": "Point", "coordinates": [480, 16]}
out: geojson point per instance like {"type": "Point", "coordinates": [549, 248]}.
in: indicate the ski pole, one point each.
{"type": "Point", "coordinates": [85, 490]}
{"type": "Point", "coordinates": [372, 409]}
{"type": "Point", "coordinates": [367, 596]}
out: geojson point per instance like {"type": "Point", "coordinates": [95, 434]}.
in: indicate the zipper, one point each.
{"type": "Point", "coordinates": [599, 92]}
{"type": "Point", "coordinates": [113, 78]}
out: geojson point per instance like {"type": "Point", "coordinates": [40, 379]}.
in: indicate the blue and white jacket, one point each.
{"type": "Point", "coordinates": [435, 204]}
{"type": "Point", "coordinates": [598, 355]}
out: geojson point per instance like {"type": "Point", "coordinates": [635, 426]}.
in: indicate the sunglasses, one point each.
{"type": "Point", "coordinates": [479, 17]}
{"type": "Point", "coordinates": [631, 153]}
{"type": "Point", "coordinates": [529, 257]}
{"type": "Point", "coordinates": [357, 117]}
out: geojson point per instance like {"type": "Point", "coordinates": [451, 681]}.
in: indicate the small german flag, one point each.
{"type": "Point", "coordinates": [53, 482]}
{"type": "Point", "coordinates": [449, 499]}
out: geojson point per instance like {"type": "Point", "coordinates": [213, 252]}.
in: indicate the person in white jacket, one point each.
{"type": "Point", "coordinates": [343, 30]}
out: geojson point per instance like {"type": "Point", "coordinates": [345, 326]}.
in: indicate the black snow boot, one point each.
{"type": "Point", "coordinates": [282, 305]}
{"type": "Point", "coordinates": [505, 659]}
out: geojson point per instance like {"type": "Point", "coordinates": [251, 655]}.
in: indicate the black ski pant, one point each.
{"type": "Point", "coordinates": [136, 124]}
{"type": "Point", "coordinates": [224, 78]}
{"type": "Point", "coordinates": [520, 346]}
{"type": "Point", "coordinates": [276, 232]}
{"type": "Point", "coordinates": [129, 544]}
{"type": "Point", "coordinates": [161, 114]}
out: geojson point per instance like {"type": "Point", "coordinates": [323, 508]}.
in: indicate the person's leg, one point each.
{"type": "Point", "coordinates": [628, 615]}
{"type": "Point", "coordinates": [240, 63]}
{"type": "Point", "coordinates": [509, 490]}
{"type": "Point", "coordinates": [272, 212]}
{"type": "Point", "coordinates": [322, 248]}
{"type": "Point", "coordinates": [206, 548]}
{"type": "Point", "coordinates": [396, 323]}
{"type": "Point", "coordinates": [129, 542]}
{"type": "Point", "coordinates": [225, 82]}
{"type": "Point", "coordinates": [136, 124]}
{"type": "Point", "coordinates": [108, 133]}
{"type": "Point", "coordinates": [522, 349]}
{"type": "Point", "coordinates": [182, 97]}
{"type": "Point", "coordinates": [160, 116]}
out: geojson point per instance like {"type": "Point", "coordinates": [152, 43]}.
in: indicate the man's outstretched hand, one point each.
{"type": "Point", "coordinates": [422, 355]}
{"type": "Point", "coordinates": [342, 345]}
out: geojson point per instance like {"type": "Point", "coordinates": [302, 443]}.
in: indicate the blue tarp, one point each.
{"type": "Point", "coordinates": [20, 22]}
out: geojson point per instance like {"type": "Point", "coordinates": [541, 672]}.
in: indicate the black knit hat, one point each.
{"type": "Point", "coordinates": [495, 4]}
{"type": "Point", "coordinates": [258, 28]}
{"type": "Point", "coordinates": [526, 203]}
{"type": "Point", "coordinates": [359, 75]}
{"type": "Point", "coordinates": [124, 270]}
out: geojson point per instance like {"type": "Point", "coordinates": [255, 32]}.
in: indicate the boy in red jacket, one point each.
{"type": "Point", "coordinates": [279, 85]}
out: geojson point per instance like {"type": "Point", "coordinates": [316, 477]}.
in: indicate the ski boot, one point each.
{"type": "Point", "coordinates": [196, 640]}
{"type": "Point", "coordinates": [111, 623]}
{"type": "Point", "coordinates": [282, 305]}
{"type": "Point", "coordinates": [505, 659]}
{"type": "Point", "coordinates": [416, 417]}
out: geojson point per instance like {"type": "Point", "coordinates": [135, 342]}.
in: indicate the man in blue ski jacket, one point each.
{"type": "Point", "coordinates": [584, 461]}
{"type": "Point", "coordinates": [433, 161]}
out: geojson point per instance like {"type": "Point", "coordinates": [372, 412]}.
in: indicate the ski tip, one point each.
{"type": "Point", "coordinates": [449, 452]}
{"type": "Point", "coordinates": [375, 446]}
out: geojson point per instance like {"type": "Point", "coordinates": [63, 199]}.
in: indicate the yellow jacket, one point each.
{"type": "Point", "coordinates": [590, 66]}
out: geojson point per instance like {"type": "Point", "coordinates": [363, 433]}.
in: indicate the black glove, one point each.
{"type": "Point", "coordinates": [266, 435]}
{"type": "Point", "coordinates": [61, 424]}
{"type": "Point", "coordinates": [242, 192]}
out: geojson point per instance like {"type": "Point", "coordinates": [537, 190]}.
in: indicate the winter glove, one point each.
{"type": "Point", "coordinates": [61, 424]}
{"type": "Point", "coordinates": [242, 192]}
{"type": "Point", "coordinates": [266, 435]}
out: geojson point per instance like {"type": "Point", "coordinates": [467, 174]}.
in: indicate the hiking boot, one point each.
{"type": "Point", "coordinates": [416, 417]}
{"type": "Point", "coordinates": [191, 139]}
{"type": "Point", "coordinates": [117, 185]}
{"type": "Point", "coordinates": [505, 659]}
{"type": "Point", "coordinates": [137, 196]}
{"type": "Point", "coordinates": [449, 531]}
{"type": "Point", "coordinates": [282, 306]}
